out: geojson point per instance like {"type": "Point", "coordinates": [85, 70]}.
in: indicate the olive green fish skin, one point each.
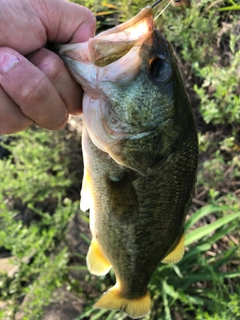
{"type": "Point", "coordinates": [163, 180]}
{"type": "Point", "coordinates": [134, 249]}
{"type": "Point", "coordinates": [142, 193]}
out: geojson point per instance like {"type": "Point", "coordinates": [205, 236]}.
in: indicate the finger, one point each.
{"type": "Point", "coordinates": [53, 67]}
{"type": "Point", "coordinates": [85, 30]}
{"type": "Point", "coordinates": [31, 90]}
{"type": "Point", "coordinates": [11, 117]}
{"type": "Point", "coordinates": [72, 22]}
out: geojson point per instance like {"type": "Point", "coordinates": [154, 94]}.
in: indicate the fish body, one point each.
{"type": "Point", "coordinates": [140, 154]}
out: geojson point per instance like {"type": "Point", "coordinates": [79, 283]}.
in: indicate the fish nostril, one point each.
{"type": "Point", "coordinates": [114, 121]}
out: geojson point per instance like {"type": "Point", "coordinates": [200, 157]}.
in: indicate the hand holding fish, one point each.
{"type": "Point", "coordinates": [38, 89]}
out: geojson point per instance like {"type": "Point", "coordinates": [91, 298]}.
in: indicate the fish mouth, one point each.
{"type": "Point", "coordinates": [100, 58]}
{"type": "Point", "coordinates": [112, 44]}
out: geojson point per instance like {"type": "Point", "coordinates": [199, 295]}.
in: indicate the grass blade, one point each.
{"type": "Point", "coordinates": [202, 213]}
{"type": "Point", "coordinates": [111, 314]}
{"type": "Point", "coordinates": [221, 233]}
{"type": "Point", "coordinates": [86, 314]}
{"type": "Point", "coordinates": [205, 230]}
{"type": "Point", "coordinates": [78, 268]}
{"type": "Point", "coordinates": [192, 254]}
{"type": "Point", "coordinates": [225, 259]}
{"type": "Point", "coordinates": [99, 314]}
{"type": "Point", "coordinates": [85, 238]}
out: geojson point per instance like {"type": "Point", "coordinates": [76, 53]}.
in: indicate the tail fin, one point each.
{"type": "Point", "coordinates": [135, 308]}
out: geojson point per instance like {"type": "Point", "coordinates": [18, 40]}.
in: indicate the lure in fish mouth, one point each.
{"type": "Point", "coordinates": [140, 154]}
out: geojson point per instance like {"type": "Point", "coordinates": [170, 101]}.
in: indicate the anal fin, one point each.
{"type": "Point", "coordinates": [96, 262]}
{"type": "Point", "coordinates": [177, 253]}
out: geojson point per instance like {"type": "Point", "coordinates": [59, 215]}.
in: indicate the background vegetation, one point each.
{"type": "Point", "coordinates": [40, 174]}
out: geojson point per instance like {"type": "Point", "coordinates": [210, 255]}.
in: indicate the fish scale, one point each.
{"type": "Point", "coordinates": [140, 153]}
{"type": "Point", "coordinates": [151, 237]}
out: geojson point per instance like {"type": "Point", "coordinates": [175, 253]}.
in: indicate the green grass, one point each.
{"type": "Point", "coordinates": [34, 212]}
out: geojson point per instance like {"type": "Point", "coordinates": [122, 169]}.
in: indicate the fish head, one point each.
{"type": "Point", "coordinates": [132, 90]}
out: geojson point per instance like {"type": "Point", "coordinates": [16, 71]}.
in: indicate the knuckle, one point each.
{"type": "Point", "coordinates": [13, 127]}
{"type": "Point", "coordinates": [62, 123]}
{"type": "Point", "coordinates": [55, 123]}
{"type": "Point", "coordinates": [34, 90]}
{"type": "Point", "coordinates": [52, 68]}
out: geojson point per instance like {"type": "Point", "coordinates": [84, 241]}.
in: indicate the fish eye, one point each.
{"type": "Point", "coordinates": [159, 69]}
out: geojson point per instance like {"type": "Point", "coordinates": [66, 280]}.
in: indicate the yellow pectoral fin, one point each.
{"type": "Point", "coordinates": [135, 308]}
{"type": "Point", "coordinates": [177, 253]}
{"type": "Point", "coordinates": [96, 262]}
{"type": "Point", "coordinates": [86, 192]}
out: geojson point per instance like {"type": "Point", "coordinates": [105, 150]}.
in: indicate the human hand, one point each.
{"type": "Point", "coordinates": [40, 89]}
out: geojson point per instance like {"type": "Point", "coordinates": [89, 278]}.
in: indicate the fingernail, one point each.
{"type": "Point", "coordinates": [8, 62]}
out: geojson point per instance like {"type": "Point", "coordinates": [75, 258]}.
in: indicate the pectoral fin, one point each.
{"type": "Point", "coordinates": [123, 200]}
{"type": "Point", "coordinates": [177, 253]}
{"type": "Point", "coordinates": [96, 261]}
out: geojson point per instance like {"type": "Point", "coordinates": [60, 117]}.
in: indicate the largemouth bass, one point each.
{"type": "Point", "coordinates": [140, 154]}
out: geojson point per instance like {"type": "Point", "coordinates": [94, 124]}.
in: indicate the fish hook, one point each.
{"type": "Point", "coordinates": [158, 1]}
